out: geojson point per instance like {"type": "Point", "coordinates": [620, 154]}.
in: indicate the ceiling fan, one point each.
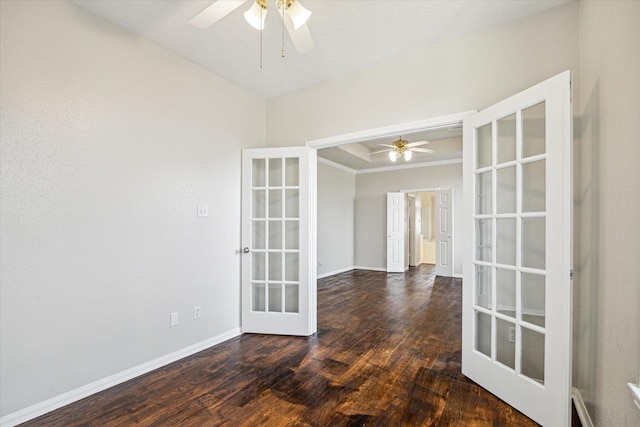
{"type": "Point", "coordinates": [404, 148]}
{"type": "Point", "coordinates": [295, 18]}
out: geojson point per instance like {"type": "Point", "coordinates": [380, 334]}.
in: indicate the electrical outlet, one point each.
{"type": "Point", "coordinates": [203, 211]}
{"type": "Point", "coordinates": [512, 334]}
{"type": "Point", "coordinates": [175, 319]}
{"type": "Point", "coordinates": [197, 312]}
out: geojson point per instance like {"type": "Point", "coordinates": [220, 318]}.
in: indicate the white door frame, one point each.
{"type": "Point", "coordinates": [390, 131]}
{"type": "Point", "coordinates": [436, 190]}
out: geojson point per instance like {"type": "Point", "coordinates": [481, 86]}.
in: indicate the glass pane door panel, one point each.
{"type": "Point", "coordinates": [483, 286]}
{"type": "Point", "coordinates": [258, 235]}
{"type": "Point", "coordinates": [533, 243]}
{"type": "Point", "coordinates": [275, 297]}
{"type": "Point", "coordinates": [275, 172]}
{"type": "Point", "coordinates": [507, 139]}
{"type": "Point", "coordinates": [533, 293]}
{"type": "Point", "coordinates": [258, 205]}
{"type": "Point", "coordinates": [275, 266]}
{"type": "Point", "coordinates": [532, 362]}
{"type": "Point", "coordinates": [506, 291]}
{"type": "Point", "coordinates": [483, 146]}
{"type": "Point", "coordinates": [259, 173]}
{"type": "Point", "coordinates": [275, 204]}
{"type": "Point", "coordinates": [483, 239]}
{"type": "Point", "coordinates": [506, 191]}
{"type": "Point", "coordinates": [291, 298]}
{"type": "Point", "coordinates": [291, 234]}
{"type": "Point", "coordinates": [505, 343]}
{"type": "Point", "coordinates": [291, 267]}
{"type": "Point", "coordinates": [293, 204]}
{"type": "Point", "coordinates": [506, 241]}
{"type": "Point", "coordinates": [533, 186]}
{"type": "Point", "coordinates": [258, 297]}
{"type": "Point", "coordinates": [257, 265]}
{"type": "Point", "coordinates": [275, 234]}
{"type": "Point", "coordinates": [291, 172]}
{"type": "Point", "coordinates": [483, 193]}
{"type": "Point", "coordinates": [533, 130]}
{"type": "Point", "coordinates": [276, 273]}
{"type": "Point", "coordinates": [483, 333]}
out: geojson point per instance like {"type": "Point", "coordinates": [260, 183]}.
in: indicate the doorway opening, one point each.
{"type": "Point", "coordinates": [422, 228]}
{"type": "Point", "coordinates": [374, 179]}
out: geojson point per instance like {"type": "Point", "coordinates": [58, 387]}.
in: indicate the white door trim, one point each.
{"type": "Point", "coordinates": [390, 131]}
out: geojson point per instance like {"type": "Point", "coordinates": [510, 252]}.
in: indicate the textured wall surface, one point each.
{"type": "Point", "coordinates": [466, 73]}
{"type": "Point", "coordinates": [607, 226]}
{"type": "Point", "coordinates": [336, 216]}
{"type": "Point", "coordinates": [108, 145]}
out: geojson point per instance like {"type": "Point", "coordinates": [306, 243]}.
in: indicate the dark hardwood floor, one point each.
{"type": "Point", "coordinates": [387, 353]}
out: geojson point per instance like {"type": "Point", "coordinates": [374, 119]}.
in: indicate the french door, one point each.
{"type": "Point", "coordinates": [278, 241]}
{"type": "Point", "coordinates": [517, 259]}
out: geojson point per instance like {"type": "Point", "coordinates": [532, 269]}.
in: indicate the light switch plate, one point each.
{"type": "Point", "coordinates": [203, 211]}
{"type": "Point", "coordinates": [175, 319]}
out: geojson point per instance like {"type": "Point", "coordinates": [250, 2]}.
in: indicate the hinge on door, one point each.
{"type": "Point", "coordinates": [571, 87]}
{"type": "Point", "coordinates": [571, 274]}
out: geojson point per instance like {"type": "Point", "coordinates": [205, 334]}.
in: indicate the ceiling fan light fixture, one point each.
{"type": "Point", "coordinates": [298, 14]}
{"type": "Point", "coordinates": [256, 15]}
{"type": "Point", "coordinates": [407, 155]}
{"type": "Point", "coordinates": [393, 155]}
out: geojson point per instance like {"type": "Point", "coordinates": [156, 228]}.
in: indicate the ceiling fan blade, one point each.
{"type": "Point", "coordinates": [388, 145]}
{"type": "Point", "coordinates": [301, 38]}
{"type": "Point", "coordinates": [418, 143]}
{"type": "Point", "coordinates": [215, 12]}
{"type": "Point", "coordinates": [378, 152]}
{"type": "Point", "coordinates": [423, 150]}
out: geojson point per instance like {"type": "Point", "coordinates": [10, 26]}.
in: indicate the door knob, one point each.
{"type": "Point", "coordinates": [245, 250]}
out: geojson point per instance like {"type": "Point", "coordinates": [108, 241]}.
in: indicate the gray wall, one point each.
{"type": "Point", "coordinates": [599, 39]}
{"type": "Point", "coordinates": [371, 208]}
{"type": "Point", "coordinates": [336, 201]}
{"type": "Point", "coordinates": [607, 200]}
{"type": "Point", "coordinates": [108, 145]}
{"type": "Point", "coordinates": [465, 73]}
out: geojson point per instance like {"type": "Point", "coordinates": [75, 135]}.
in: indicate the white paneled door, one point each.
{"type": "Point", "coordinates": [516, 333]}
{"type": "Point", "coordinates": [444, 233]}
{"type": "Point", "coordinates": [278, 241]}
{"type": "Point", "coordinates": [396, 232]}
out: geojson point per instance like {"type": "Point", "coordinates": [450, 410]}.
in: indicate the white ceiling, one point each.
{"type": "Point", "coordinates": [349, 35]}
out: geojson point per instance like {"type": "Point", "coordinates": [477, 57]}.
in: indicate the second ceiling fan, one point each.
{"type": "Point", "coordinates": [404, 148]}
{"type": "Point", "coordinates": [292, 12]}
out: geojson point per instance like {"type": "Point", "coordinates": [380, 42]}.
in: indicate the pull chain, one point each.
{"type": "Point", "coordinates": [284, 5]}
{"type": "Point", "coordinates": [261, 20]}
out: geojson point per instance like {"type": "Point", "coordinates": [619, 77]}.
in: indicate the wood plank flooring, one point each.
{"type": "Point", "coordinates": [387, 353]}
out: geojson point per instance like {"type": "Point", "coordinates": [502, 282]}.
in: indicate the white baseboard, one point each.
{"type": "Point", "coordinates": [457, 276]}
{"type": "Point", "coordinates": [64, 399]}
{"type": "Point", "coordinates": [359, 267]}
{"type": "Point", "coordinates": [583, 414]}
{"type": "Point", "coordinates": [331, 273]}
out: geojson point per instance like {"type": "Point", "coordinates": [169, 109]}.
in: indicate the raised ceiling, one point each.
{"type": "Point", "coordinates": [446, 143]}
{"type": "Point", "coordinates": [349, 35]}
